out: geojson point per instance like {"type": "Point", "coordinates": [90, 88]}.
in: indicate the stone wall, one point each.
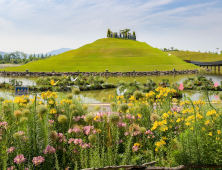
{"type": "Point", "coordinates": [134, 73]}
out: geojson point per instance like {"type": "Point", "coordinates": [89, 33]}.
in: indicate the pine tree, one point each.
{"type": "Point", "coordinates": [108, 33]}
{"type": "Point", "coordinates": [134, 34]}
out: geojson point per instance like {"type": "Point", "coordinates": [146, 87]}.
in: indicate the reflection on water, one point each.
{"type": "Point", "coordinates": [95, 96]}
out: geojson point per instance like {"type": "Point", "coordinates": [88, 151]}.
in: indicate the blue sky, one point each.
{"type": "Point", "coordinates": [39, 26]}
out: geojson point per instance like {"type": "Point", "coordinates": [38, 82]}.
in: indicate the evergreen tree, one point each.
{"type": "Point", "coordinates": [1, 58]}
{"type": "Point", "coordinates": [46, 55]}
{"type": "Point", "coordinates": [42, 57]}
{"type": "Point", "coordinates": [108, 33]}
{"type": "Point", "coordinates": [134, 34]}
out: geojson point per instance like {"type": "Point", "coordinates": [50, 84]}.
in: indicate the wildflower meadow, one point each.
{"type": "Point", "coordinates": [44, 132]}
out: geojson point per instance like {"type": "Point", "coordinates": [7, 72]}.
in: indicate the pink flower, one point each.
{"type": "Point", "coordinates": [19, 159]}
{"type": "Point", "coordinates": [135, 148]}
{"type": "Point", "coordinates": [49, 149]}
{"type": "Point", "coordinates": [75, 151]}
{"type": "Point", "coordinates": [148, 132]}
{"type": "Point", "coordinates": [119, 141]}
{"type": "Point", "coordinates": [216, 96]}
{"type": "Point", "coordinates": [61, 137]}
{"type": "Point", "coordinates": [85, 145]}
{"type": "Point", "coordinates": [181, 86]}
{"type": "Point", "coordinates": [51, 121]}
{"type": "Point", "coordinates": [126, 133]}
{"type": "Point", "coordinates": [10, 150]}
{"type": "Point", "coordinates": [11, 168]}
{"type": "Point", "coordinates": [38, 160]}
{"type": "Point", "coordinates": [215, 84]}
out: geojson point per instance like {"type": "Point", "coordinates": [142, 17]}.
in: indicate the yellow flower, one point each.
{"type": "Point", "coordinates": [218, 132]}
{"type": "Point", "coordinates": [188, 123]}
{"type": "Point", "coordinates": [191, 128]}
{"type": "Point", "coordinates": [51, 102]}
{"type": "Point", "coordinates": [137, 144]}
{"type": "Point", "coordinates": [203, 128]}
{"type": "Point", "coordinates": [139, 115]}
{"type": "Point", "coordinates": [118, 102]}
{"type": "Point", "coordinates": [97, 117]}
{"type": "Point", "coordinates": [52, 82]}
{"type": "Point", "coordinates": [178, 120]}
{"type": "Point", "coordinates": [53, 111]}
{"type": "Point", "coordinates": [98, 130]}
{"type": "Point", "coordinates": [210, 134]}
{"type": "Point", "coordinates": [212, 112]}
{"type": "Point", "coordinates": [199, 116]}
{"type": "Point", "coordinates": [164, 138]}
{"type": "Point", "coordinates": [207, 122]}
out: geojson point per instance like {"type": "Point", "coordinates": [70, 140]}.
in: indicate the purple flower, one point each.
{"type": "Point", "coordinates": [10, 150]}
{"type": "Point", "coordinates": [49, 149]}
{"type": "Point", "coordinates": [19, 159]}
{"type": "Point", "coordinates": [38, 160]}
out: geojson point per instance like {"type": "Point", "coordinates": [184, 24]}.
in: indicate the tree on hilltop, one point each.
{"type": "Point", "coordinates": [134, 34]}
{"type": "Point", "coordinates": [108, 33]}
{"type": "Point", "coordinates": [124, 31]}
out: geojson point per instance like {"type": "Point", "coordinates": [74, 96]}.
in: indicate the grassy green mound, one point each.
{"type": "Point", "coordinates": [196, 56]}
{"type": "Point", "coordinates": [109, 53]}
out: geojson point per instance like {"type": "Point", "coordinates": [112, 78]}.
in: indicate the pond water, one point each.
{"type": "Point", "coordinates": [95, 96]}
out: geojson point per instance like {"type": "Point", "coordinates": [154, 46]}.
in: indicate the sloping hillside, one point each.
{"type": "Point", "coordinates": [196, 56]}
{"type": "Point", "coordinates": [109, 53]}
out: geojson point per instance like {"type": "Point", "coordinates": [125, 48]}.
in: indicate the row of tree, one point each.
{"type": "Point", "coordinates": [121, 31]}
{"type": "Point", "coordinates": [20, 57]}
{"type": "Point", "coordinates": [175, 49]}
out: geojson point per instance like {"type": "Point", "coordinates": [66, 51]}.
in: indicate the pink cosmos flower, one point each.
{"type": "Point", "coordinates": [61, 137]}
{"type": "Point", "coordinates": [181, 86]}
{"type": "Point", "coordinates": [51, 121]}
{"type": "Point", "coordinates": [216, 96]}
{"type": "Point", "coordinates": [215, 84]}
{"type": "Point", "coordinates": [38, 160]}
{"type": "Point", "coordinates": [10, 150]}
{"type": "Point", "coordinates": [19, 159]}
{"type": "Point", "coordinates": [135, 148]}
{"type": "Point", "coordinates": [49, 149]}
{"type": "Point", "coordinates": [126, 133]}
{"type": "Point", "coordinates": [11, 168]}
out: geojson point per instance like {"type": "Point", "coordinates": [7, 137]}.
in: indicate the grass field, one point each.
{"type": "Point", "coordinates": [109, 53]}
{"type": "Point", "coordinates": [196, 56]}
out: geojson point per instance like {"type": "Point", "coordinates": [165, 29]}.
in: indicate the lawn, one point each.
{"type": "Point", "coordinates": [196, 56]}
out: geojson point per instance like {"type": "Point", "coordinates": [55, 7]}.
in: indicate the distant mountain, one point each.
{"type": "Point", "coordinates": [2, 53]}
{"type": "Point", "coordinates": [59, 51]}
{"type": "Point", "coordinates": [54, 52]}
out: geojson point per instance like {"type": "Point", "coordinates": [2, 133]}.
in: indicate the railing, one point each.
{"type": "Point", "coordinates": [144, 167]}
